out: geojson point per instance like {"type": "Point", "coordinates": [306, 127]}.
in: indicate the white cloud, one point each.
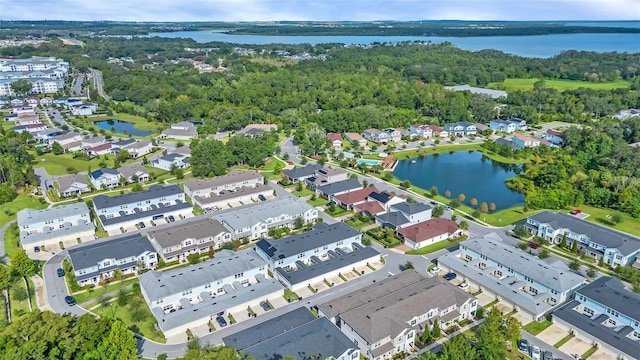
{"type": "Point", "coordinates": [336, 10]}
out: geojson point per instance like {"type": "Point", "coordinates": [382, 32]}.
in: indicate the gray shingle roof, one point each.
{"type": "Point", "coordinates": [394, 218]}
{"type": "Point", "coordinates": [234, 176]}
{"type": "Point", "coordinates": [179, 232]}
{"type": "Point", "coordinates": [268, 329]}
{"type": "Point", "coordinates": [65, 182]}
{"type": "Point", "coordinates": [132, 169]}
{"type": "Point", "coordinates": [491, 246]}
{"type": "Point", "coordinates": [87, 255]}
{"type": "Point", "coordinates": [33, 216]}
{"type": "Point", "coordinates": [611, 293]}
{"type": "Point", "coordinates": [306, 171]}
{"type": "Point", "coordinates": [322, 234]}
{"type": "Point", "coordinates": [316, 338]}
{"type": "Point", "coordinates": [595, 328]}
{"type": "Point", "coordinates": [306, 273]}
{"type": "Point", "coordinates": [390, 313]}
{"type": "Point", "coordinates": [158, 285]}
{"type": "Point", "coordinates": [625, 243]}
{"type": "Point", "coordinates": [155, 210]}
{"type": "Point", "coordinates": [340, 186]}
{"type": "Point", "coordinates": [252, 214]}
{"type": "Point", "coordinates": [411, 209]}
{"type": "Point", "coordinates": [155, 191]}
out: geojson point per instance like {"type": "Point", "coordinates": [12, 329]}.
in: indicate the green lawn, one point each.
{"type": "Point", "coordinates": [9, 210]}
{"type": "Point", "coordinates": [85, 296]}
{"type": "Point", "coordinates": [563, 341]}
{"type": "Point", "coordinates": [435, 247]}
{"type": "Point", "coordinates": [358, 223]}
{"type": "Point", "coordinates": [599, 216]}
{"type": "Point", "coordinates": [560, 85]}
{"type": "Point", "coordinates": [17, 289]}
{"type": "Point", "coordinates": [535, 328]}
{"type": "Point", "coordinates": [144, 328]}
{"type": "Point", "coordinates": [338, 212]}
{"type": "Point", "coordinates": [589, 352]}
{"type": "Point", "coordinates": [304, 192]}
{"type": "Point", "coordinates": [317, 202]}
{"type": "Point", "coordinates": [11, 240]}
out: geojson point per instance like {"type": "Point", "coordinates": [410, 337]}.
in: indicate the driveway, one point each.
{"type": "Point", "coordinates": [601, 355]}
{"type": "Point", "coordinates": [552, 334]}
{"type": "Point", "coordinates": [575, 346]}
{"type": "Point", "coordinates": [485, 298]}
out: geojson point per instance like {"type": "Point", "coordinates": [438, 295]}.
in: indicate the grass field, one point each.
{"type": "Point", "coordinates": [535, 328]}
{"type": "Point", "coordinates": [560, 85]}
{"type": "Point", "coordinates": [437, 246]}
{"type": "Point", "coordinates": [8, 210]}
{"type": "Point", "coordinates": [599, 216]}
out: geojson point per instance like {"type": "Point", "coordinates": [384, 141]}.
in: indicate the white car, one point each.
{"type": "Point", "coordinates": [434, 270]}
{"type": "Point", "coordinates": [463, 286]}
{"type": "Point", "coordinates": [535, 353]}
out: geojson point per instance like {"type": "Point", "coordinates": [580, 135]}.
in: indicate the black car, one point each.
{"type": "Point", "coordinates": [221, 321]}
{"type": "Point", "coordinates": [36, 249]}
{"type": "Point", "coordinates": [141, 224]}
{"type": "Point", "coordinates": [171, 218]}
{"type": "Point", "coordinates": [265, 305]}
{"type": "Point", "coordinates": [547, 355]}
{"type": "Point", "coordinates": [261, 197]}
{"type": "Point", "coordinates": [70, 300]}
{"type": "Point", "coordinates": [450, 276]}
{"type": "Point", "coordinates": [523, 345]}
{"type": "Point", "coordinates": [60, 272]}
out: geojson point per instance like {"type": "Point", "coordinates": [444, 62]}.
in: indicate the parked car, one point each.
{"type": "Point", "coordinates": [261, 197]}
{"type": "Point", "coordinates": [36, 249]}
{"type": "Point", "coordinates": [533, 245]}
{"type": "Point", "coordinates": [141, 224]}
{"type": "Point", "coordinates": [70, 300]}
{"type": "Point", "coordinates": [448, 208]}
{"type": "Point", "coordinates": [433, 202]}
{"type": "Point", "coordinates": [523, 345]}
{"type": "Point", "coordinates": [221, 321]}
{"type": "Point", "coordinates": [547, 355]}
{"type": "Point", "coordinates": [171, 218]}
{"type": "Point", "coordinates": [434, 270]}
{"type": "Point", "coordinates": [535, 352]}
{"type": "Point", "coordinates": [576, 212]}
{"type": "Point", "coordinates": [265, 305]}
{"type": "Point", "coordinates": [60, 272]}
{"type": "Point", "coordinates": [450, 276]}
{"type": "Point", "coordinates": [464, 286]}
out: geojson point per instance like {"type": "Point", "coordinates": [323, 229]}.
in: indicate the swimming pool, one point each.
{"type": "Point", "coordinates": [368, 162]}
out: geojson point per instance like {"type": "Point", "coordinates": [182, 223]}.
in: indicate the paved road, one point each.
{"type": "Point", "coordinates": [76, 86]}
{"type": "Point", "coordinates": [44, 179]}
{"type": "Point", "coordinates": [98, 83]}
{"type": "Point", "coordinates": [3, 256]}
{"type": "Point", "coordinates": [287, 146]}
{"type": "Point", "coordinates": [557, 354]}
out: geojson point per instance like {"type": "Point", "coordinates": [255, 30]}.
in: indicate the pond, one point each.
{"type": "Point", "coordinates": [122, 127]}
{"type": "Point", "coordinates": [463, 172]}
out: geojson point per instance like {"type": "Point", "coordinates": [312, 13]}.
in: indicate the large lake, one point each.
{"type": "Point", "coordinates": [529, 46]}
{"type": "Point", "coordinates": [122, 127]}
{"type": "Point", "coordinates": [469, 173]}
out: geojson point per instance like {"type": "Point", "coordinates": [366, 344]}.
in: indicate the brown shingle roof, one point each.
{"type": "Point", "coordinates": [428, 229]}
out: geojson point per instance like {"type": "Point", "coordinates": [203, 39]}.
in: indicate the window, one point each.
{"type": "Point", "coordinates": [355, 342]}
{"type": "Point", "coordinates": [413, 322]}
{"type": "Point", "coordinates": [613, 312]}
{"type": "Point", "coordinates": [239, 275]}
{"type": "Point", "coordinates": [301, 256]}
{"type": "Point", "coordinates": [587, 311]}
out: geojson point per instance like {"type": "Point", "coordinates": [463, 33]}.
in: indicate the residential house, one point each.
{"type": "Point", "coordinates": [84, 110]}
{"type": "Point", "coordinates": [257, 129]}
{"type": "Point", "coordinates": [438, 131]}
{"type": "Point", "coordinates": [46, 135]}
{"type": "Point", "coordinates": [353, 198]}
{"type": "Point", "coordinates": [376, 136]}
{"type": "Point", "coordinates": [393, 134]}
{"type": "Point", "coordinates": [429, 232]}
{"type": "Point", "coordinates": [16, 101]}
{"type": "Point", "coordinates": [461, 128]}
{"type": "Point", "coordinates": [98, 150]}
{"type": "Point", "coordinates": [421, 130]}
{"type": "Point", "coordinates": [66, 139]}
{"type": "Point", "coordinates": [123, 212]}
{"type": "Point", "coordinates": [134, 173]}
{"type": "Point", "coordinates": [521, 125]}
{"type": "Point", "coordinates": [46, 101]}
{"type": "Point", "coordinates": [254, 221]}
{"type": "Point", "coordinates": [93, 141]}
{"type": "Point", "coordinates": [555, 137]}
{"type": "Point", "coordinates": [167, 162]}
{"type": "Point", "coordinates": [626, 114]}
{"type": "Point", "coordinates": [494, 94]}
{"type": "Point", "coordinates": [335, 139]}
{"type": "Point", "coordinates": [325, 176]}
{"type": "Point", "coordinates": [294, 332]}
{"type": "Point", "coordinates": [103, 259]}
{"type": "Point", "coordinates": [235, 187]}
{"type": "Point", "coordinates": [355, 138]}
{"type": "Point", "coordinates": [337, 188]}
{"type": "Point", "coordinates": [504, 126]}
{"type": "Point", "coordinates": [34, 128]}
{"type": "Point", "coordinates": [32, 101]}
{"type": "Point", "coordinates": [385, 318]}
{"type": "Point", "coordinates": [525, 141]}
{"type": "Point", "coordinates": [72, 185]}
{"type": "Point", "coordinates": [140, 148]}
{"type": "Point", "coordinates": [183, 130]}
{"type": "Point", "coordinates": [302, 173]}
{"type": "Point", "coordinates": [193, 296]}
{"type": "Point", "coordinates": [386, 200]}
{"type": "Point", "coordinates": [64, 224]}
{"type": "Point", "coordinates": [301, 260]}
{"type": "Point", "coordinates": [122, 145]}
{"type": "Point", "coordinates": [604, 314]}
{"type": "Point", "coordinates": [520, 280]}
{"type": "Point", "coordinates": [105, 178]}
{"type": "Point", "coordinates": [596, 241]}
{"type": "Point", "coordinates": [181, 239]}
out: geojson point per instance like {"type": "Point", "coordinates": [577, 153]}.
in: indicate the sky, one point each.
{"type": "Point", "coordinates": [322, 10]}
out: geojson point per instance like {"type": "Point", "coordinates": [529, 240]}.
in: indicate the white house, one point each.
{"type": "Point", "coordinates": [61, 224]}
{"type": "Point", "coordinates": [525, 141]}
{"type": "Point", "coordinates": [461, 128]}
{"type": "Point", "coordinates": [421, 130]}
{"type": "Point", "coordinates": [356, 138]}
{"type": "Point", "coordinates": [72, 185]}
{"type": "Point", "coordinates": [429, 232]}
{"type": "Point", "coordinates": [134, 173]}
{"type": "Point", "coordinates": [105, 178]}
{"type": "Point", "coordinates": [235, 187]}
{"type": "Point", "coordinates": [100, 260]}
{"type": "Point", "coordinates": [393, 134]}
{"type": "Point", "coordinates": [335, 139]}
{"type": "Point", "coordinates": [183, 130]}
{"type": "Point", "coordinates": [555, 137]}
{"type": "Point", "coordinates": [140, 148]}
{"type": "Point", "coordinates": [168, 161]}
{"type": "Point", "coordinates": [376, 136]}
{"type": "Point", "coordinates": [385, 318]}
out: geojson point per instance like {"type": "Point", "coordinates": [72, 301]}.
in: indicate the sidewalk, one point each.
{"type": "Point", "coordinates": [41, 293]}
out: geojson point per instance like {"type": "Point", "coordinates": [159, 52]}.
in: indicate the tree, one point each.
{"type": "Point", "coordinates": [474, 202]}
{"type": "Point", "coordinates": [137, 187]}
{"type": "Point", "coordinates": [56, 148]}
{"type": "Point", "coordinates": [464, 225]}
{"type": "Point", "coordinates": [591, 272]}
{"type": "Point", "coordinates": [457, 348]}
{"type": "Point", "coordinates": [298, 223]}
{"type": "Point", "coordinates": [193, 258]}
{"type": "Point", "coordinates": [563, 241]}
{"type": "Point", "coordinates": [521, 231]}
{"type": "Point", "coordinates": [311, 139]}
{"type": "Point", "coordinates": [408, 265]}
{"type": "Point", "coordinates": [122, 156]}
{"type": "Point", "coordinates": [574, 247]}
{"type": "Point", "coordinates": [405, 184]}
{"type": "Point", "coordinates": [21, 87]}
{"type": "Point", "coordinates": [543, 254]}
{"type": "Point", "coordinates": [484, 207]}
{"type": "Point", "coordinates": [491, 344]}
{"type": "Point", "coordinates": [437, 211]}
{"type": "Point", "coordinates": [21, 264]}
{"type": "Point", "coordinates": [426, 336]}
{"type": "Point", "coordinates": [123, 297]}
{"type": "Point", "coordinates": [435, 330]}
{"type": "Point", "coordinates": [209, 157]}
{"type": "Point", "coordinates": [492, 207]}
{"type": "Point", "coordinates": [574, 265]}
{"type": "Point", "coordinates": [299, 186]}
{"type": "Point", "coordinates": [7, 193]}
{"type": "Point", "coordinates": [461, 197]}
{"type": "Point", "coordinates": [433, 191]}
{"type": "Point", "coordinates": [447, 194]}
{"type": "Point", "coordinates": [616, 218]}
{"type": "Point", "coordinates": [119, 344]}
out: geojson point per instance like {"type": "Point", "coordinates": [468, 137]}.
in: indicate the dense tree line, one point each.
{"type": "Point", "coordinates": [15, 164]}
